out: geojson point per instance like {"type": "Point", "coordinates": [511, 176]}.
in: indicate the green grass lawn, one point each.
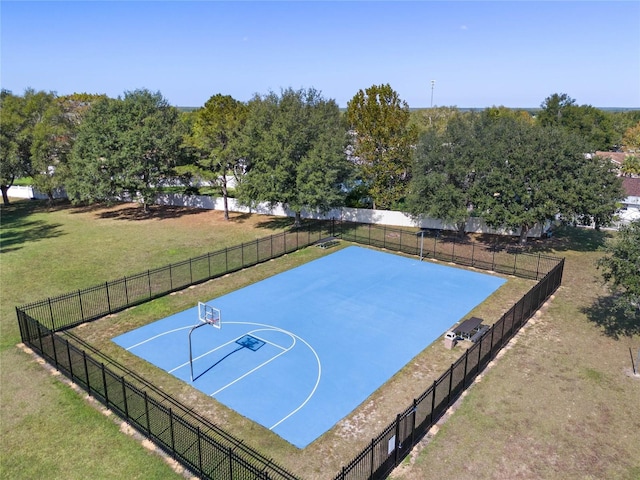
{"type": "Point", "coordinates": [560, 403]}
{"type": "Point", "coordinates": [47, 430]}
{"type": "Point", "coordinates": [513, 424]}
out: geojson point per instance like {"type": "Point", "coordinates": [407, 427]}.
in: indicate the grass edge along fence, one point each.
{"type": "Point", "coordinates": [206, 449]}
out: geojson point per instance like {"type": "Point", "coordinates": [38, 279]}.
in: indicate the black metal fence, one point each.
{"type": "Point", "coordinates": [72, 309]}
{"type": "Point", "coordinates": [206, 449]}
{"type": "Point", "coordinates": [504, 258]}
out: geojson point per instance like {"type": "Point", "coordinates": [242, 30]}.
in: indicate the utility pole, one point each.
{"type": "Point", "coordinates": [433, 84]}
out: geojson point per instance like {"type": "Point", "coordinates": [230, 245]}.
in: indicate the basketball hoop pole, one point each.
{"type": "Point", "coordinates": [190, 351]}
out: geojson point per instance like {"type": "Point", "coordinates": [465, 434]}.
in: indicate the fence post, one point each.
{"type": "Point", "coordinates": [413, 422]}
{"type": "Point", "coordinates": [190, 271]}
{"type": "Point", "coordinates": [450, 385]}
{"type": "Point", "coordinates": [397, 447]}
{"type": "Point", "coordinates": [200, 451]}
{"type": "Point", "coordinates": [146, 412]}
{"type": "Point", "coordinates": [173, 440]}
{"type": "Point", "coordinates": [86, 371]}
{"type": "Point", "coordinates": [53, 327]}
{"type": "Point", "coordinates": [81, 309]}
{"type": "Point", "coordinates": [466, 362]}
{"type": "Point", "coordinates": [53, 345]}
{"type": "Point", "coordinates": [124, 397]}
{"type": "Point", "coordinates": [373, 444]}
{"type": "Point", "coordinates": [106, 286]}
{"type": "Point", "coordinates": [538, 267]}
{"type": "Point", "coordinates": [69, 358]}
{"type": "Point", "coordinates": [170, 279]}
{"type": "Point", "coordinates": [126, 290]}
{"type": "Point", "coordinates": [433, 401]}
{"type": "Point", "coordinates": [104, 385]}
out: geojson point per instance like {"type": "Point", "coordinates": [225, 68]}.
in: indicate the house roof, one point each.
{"type": "Point", "coordinates": [616, 157]}
{"type": "Point", "coordinates": [631, 186]}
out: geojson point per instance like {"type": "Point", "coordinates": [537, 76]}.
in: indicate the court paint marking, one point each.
{"type": "Point", "coordinates": [157, 336]}
{"type": "Point", "coordinates": [229, 343]}
{"type": "Point", "coordinates": [294, 336]}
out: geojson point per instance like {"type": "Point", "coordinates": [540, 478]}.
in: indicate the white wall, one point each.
{"type": "Point", "coordinates": [17, 191]}
{"type": "Point", "coordinates": [383, 217]}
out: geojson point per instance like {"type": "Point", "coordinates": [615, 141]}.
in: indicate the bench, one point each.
{"type": "Point", "coordinates": [479, 334]}
{"type": "Point", "coordinates": [327, 242]}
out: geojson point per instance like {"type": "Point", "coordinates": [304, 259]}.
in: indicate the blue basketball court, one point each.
{"type": "Point", "coordinates": [299, 351]}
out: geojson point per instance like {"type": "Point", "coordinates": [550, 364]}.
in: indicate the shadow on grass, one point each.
{"type": "Point", "coordinates": [277, 223]}
{"type": "Point", "coordinates": [156, 212]}
{"type": "Point", "coordinates": [615, 320]}
{"type": "Point", "coordinates": [573, 238]}
{"type": "Point", "coordinates": [17, 229]}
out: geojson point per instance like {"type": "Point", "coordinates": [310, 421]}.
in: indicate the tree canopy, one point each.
{"type": "Point", "coordinates": [447, 171]}
{"type": "Point", "coordinates": [383, 141]}
{"type": "Point", "coordinates": [511, 172]}
{"type": "Point", "coordinates": [125, 146]}
{"type": "Point", "coordinates": [294, 147]}
{"type": "Point", "coordinates": [621, 269]}
{"type": "Point", "coordinates": [216, 136]}
{"type": "Point", "coordinates": [593, 124]}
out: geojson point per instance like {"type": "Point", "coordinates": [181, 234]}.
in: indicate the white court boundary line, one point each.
{"type": "Point", "coordinates": [284, 350]}
{"type": "Point", "coordinates": [293, 335]}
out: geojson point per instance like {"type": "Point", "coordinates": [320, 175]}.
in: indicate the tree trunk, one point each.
{"type": "Point", "coordinates": [524, 229]}
{"type": "Point", "coordinates": [5, 196]}
{"type": "Point", "coordinates": [225, 197]}
{"type": "Point", "coordinates": [298, 222]}
{"type": "Point", "coordinates": [461, 229]}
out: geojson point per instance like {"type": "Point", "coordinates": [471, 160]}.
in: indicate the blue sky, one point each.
{"type": "Point", "coordinates": [511, 53]}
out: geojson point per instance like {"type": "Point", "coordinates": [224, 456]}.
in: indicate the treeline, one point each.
{"type": "Point", "coordinates": [296, 147]}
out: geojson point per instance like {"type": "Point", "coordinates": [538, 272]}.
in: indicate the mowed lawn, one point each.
{"type": "Point", "coordinates": [559, 404]}
{"type": "Point", "coordinates": [47, 430]}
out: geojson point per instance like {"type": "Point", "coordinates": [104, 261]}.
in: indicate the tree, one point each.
{"type": "Point", "coordinates": [621, 269]}
{"type": "Point", "coordinates": [14, 154]}
{"type": "Point", "coordinates": [216, 137]}
{"type": "Point", "coordinates": [631, 139]}
{"type": "Point", "coordinates": [294, 147]}
{"type": "Point", "coordinates": [554, 108]}
{"type": "Point", "coordinates": [437, 117]}
{"type": "Point", "coordinates": [383, 142]}
{"type": "Point", "coordinates": [537, 173]}
{"type": "Point", "coordinates": [630, 165]}
{"type": "Point", "coordinates": [125, 146]}
{"type": "Point", "coordinates": [594, 125]}
{"type": "Point", "coordinates": [448, 167]}
{"type": "Point", "coordinates": [598, 192]}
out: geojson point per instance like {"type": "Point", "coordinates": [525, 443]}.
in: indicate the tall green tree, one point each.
{"type": "Point", "coordinates": [216, 136]}
{"type": "Point", "coordinates": [24, 121]}
{"type": "Point", "coordinates": [593, 124]}
{"type": "Point", "coordinates": [449, 166]}
{"type": "Point", "coordinates": [537, 173]}
{"type": "Point", "coordinates": [383, 142]}
{"type": "Point", "coordinates": [598, 192]}
{"type": "Point", "coordinates": [621, 269]}
{"type": "Point", "coordinates": [294, 149]}
{"type": "Point", "coordinates": [15, 158]}
{"type": "Point", "coordinates": [125, 146]}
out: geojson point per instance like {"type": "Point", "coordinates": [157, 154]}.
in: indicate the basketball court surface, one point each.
{"type": "Point", "coordinates": [299, 351]}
